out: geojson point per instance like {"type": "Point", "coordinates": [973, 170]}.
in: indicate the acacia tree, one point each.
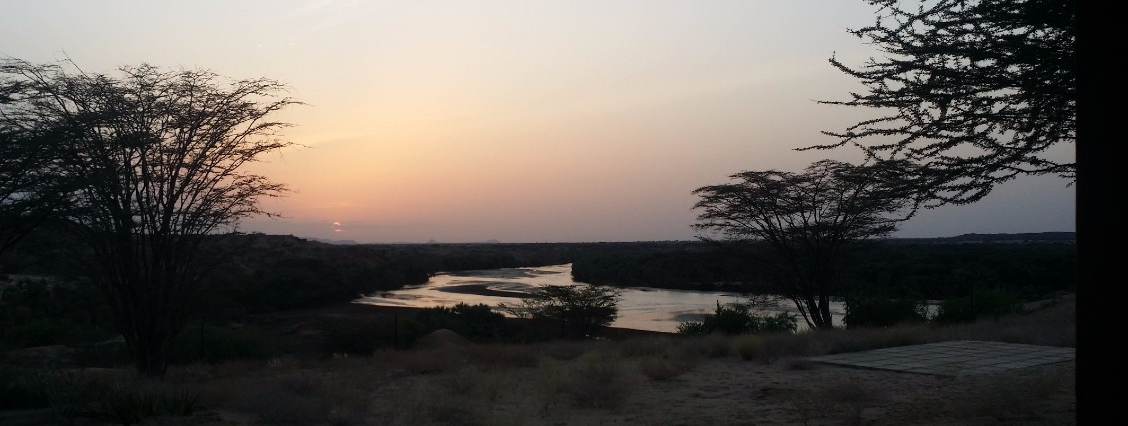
{"type": "Point", "coordinates": [580, 310]}
{"type": "Point", "coordinates": [154, 162]}
{"type": "Point", "coordinates": [796, 226]}
{"type": "Point", "coordinates": [30, 191]}
{"type": "Point", "coordinates": [976, 92]}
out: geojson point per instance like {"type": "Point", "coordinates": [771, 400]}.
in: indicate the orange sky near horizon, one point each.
{"type": "Point", "coordinates": [516, 121]}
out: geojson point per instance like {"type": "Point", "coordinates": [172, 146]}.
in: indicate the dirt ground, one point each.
{"type": "Point", "coordinates": [620, 382]}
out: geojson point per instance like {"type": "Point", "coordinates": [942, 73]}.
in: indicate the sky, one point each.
{"type": "Point", "coordinates": [518, 121]}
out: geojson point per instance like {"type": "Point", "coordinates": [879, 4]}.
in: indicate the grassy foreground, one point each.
{"type": "Point", "coordinates": [640, 379]}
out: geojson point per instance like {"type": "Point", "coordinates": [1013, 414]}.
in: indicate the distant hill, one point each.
{"type": "Point", "coordinates": [1029, 236]}
{"type": "Point", "coordinates": [1062, 237]}
{"type": "Point", "coordinates": [328, 241]}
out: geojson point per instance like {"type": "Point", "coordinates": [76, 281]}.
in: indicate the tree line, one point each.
{"type": "Point", "coordinates": [917, 268]}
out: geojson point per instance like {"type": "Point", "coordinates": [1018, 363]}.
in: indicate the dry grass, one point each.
{"type": "Point", "coordinates": [598, 380]}
{"type": "Point", "coordinates": [750, 347]}
{"type": "Point", "coordinates": [578, 382]}
{"type": "Point", "coordinates": [1011, 396]}
{"type": "Point", "coordinates": [709, 346]}
{"type": "Point", "coordinates": [664, 368]}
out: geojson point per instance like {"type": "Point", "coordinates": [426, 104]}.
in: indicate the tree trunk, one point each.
{"type": "Point", "coordinates": [824, 312]}
{"type": "Point", "coordinates": [152, 348]}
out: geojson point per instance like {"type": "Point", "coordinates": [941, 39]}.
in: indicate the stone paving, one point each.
{"type": "Point", "coordinates": [952, 358]}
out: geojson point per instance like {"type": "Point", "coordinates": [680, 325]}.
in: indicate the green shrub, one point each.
{"type": "Point", "coordinates": [475, 322]}
{"type": "Point", "coordinates": [738, 318]}
{"type": "Point", "coordinates": [883, 312]}
{"type": "Point", "coordinates": [355, 339]}
{"type": "Point", "coordinates": [39, 313]}
{"type": "Point", "coordinates": [579, 309]}
{"type": "Point", "coordinates": [991, 303]}
{"type": "Point", "coordinates": [42, 332]}
{"type": "Point", "coordinates": [693, 328]}
{"type": "Point", "coordinates": [107, 354]}
{"type": "Point", "coordinates": [212, 344]}
{"type": "Point", "coordinates": [128, 404]}
{"type": "Point", "coordinates": [19, 391]}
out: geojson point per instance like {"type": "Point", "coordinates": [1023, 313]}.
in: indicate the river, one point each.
{"type": "Point", "coordinates": [640, 309]}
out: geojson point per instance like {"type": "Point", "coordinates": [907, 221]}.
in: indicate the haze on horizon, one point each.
{"type": "Point", "coordinates": [518, 121]}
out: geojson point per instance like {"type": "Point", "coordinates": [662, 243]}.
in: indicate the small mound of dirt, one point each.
{"type": "Point", "coordinates": [441, 339]}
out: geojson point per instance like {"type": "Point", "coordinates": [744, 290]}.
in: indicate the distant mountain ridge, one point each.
{"type": "Point", "coordinates": [328, 241]}
{"type": "Point", "coordinates": [1002, 237]}
{"type": "Point", "coordinates": [973, 237]}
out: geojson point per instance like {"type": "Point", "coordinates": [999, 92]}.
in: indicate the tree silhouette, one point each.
{"type": "Point", "coordinates": [975, 92]}
{"type": "Point", "coordinates": [153, 163]}
{"type": "Point", "coordinates": [580, 309]}
{"type": "Point", "coordinates": [31, 189]}
{"type": "Point", "coordinates": [795, 226]}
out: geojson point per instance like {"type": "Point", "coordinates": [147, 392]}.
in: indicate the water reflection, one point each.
{"type": "Point", "coordinates": [641, 308]}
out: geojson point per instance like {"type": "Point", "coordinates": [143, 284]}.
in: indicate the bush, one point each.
{"type": "Point", "coordinates": [738, 318]}
{"type": "Point", "coordinates": [18, 391]}
{"type": "Point", "coordinates": [39, 313]}
{"type": "Point", "coordinates": [992, 303]}
{"type": "Point", "coordinates": [42, 332]}
{"type": "Point", "coordinates": [663, 368]}
{"type": "Point", "coordinates": [363, 337]}
{"type": "Point", "coordinates": [580, 309]}
{"type": "Point", "coordinates": [883, 312]}
{"type": "Point", "coordinates": [124, 404]}
{"type": "Point", "coordinates": [749, 347]}
{"type": "Point", "coordinates": [208, 343]}
{"type": "Point", "coordinates": [106, 354]}
{"type": "Point", "coordinates": [475, 322]}
{"type": "Point", "coordinates": [599, 380]}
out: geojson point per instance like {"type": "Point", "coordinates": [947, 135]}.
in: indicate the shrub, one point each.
{"type": "Point", "coordinates": [693, 328]}
{"type": "Point", "coordinates": [748, 346]}
{"type": "Point", "coordinates": [991, 303]}
{"type": "Point", "coordinates": [212, 344]}
{"type": "Point", "coordinates": [475, 322]}
{"type": "Point", "coordinates": [580, 309]}
{"type": "Point", "coordinates": [598, 381]}
{"type": "Point", "coordinates": [18, 391]}
{"type": "Point", "coordinates": [40, 313]}
{"type": "Point", "coordinates": [107, 354]}
{"type": "Point", "coordinates": [709, 346]}
{"type": "Point", "coordinates": [645, 346]}
{"type": "Point", "coordinates": [738, 318]}
{"type": "Point", "coordinates": [42, 332]}
{"type": "Point", "coordinates": [504, 356]}
{"type": "Point", "coordinates": [883, 312]}
{"type": "Point", "coordinates": [662, 368]}
{"type": "Point", "coordinates": [351, 337]}
{"type": "Point", "coordinates": [123, 404]}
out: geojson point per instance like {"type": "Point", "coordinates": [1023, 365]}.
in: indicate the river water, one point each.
{"type": "Point", "coordinates": [640, 309]}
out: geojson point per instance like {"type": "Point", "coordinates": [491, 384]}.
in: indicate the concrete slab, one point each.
{"type": "Point", "coordinates": [952, 358]}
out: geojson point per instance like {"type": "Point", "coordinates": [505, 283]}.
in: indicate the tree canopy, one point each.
{"type": "Point", "coordinates": [976, 92]}
{"type": "Point", "coordinates": [580, 309]}
{"type": "Point", "coordinates": [802, 222]}
{"type": "Point", "coordinates": [153, 165]}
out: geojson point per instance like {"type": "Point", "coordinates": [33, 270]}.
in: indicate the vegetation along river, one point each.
{"type": "Point", "coordinates": [640, 308]}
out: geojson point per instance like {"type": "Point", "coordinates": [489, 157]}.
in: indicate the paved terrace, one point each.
{"type": "Point", "coordinates": [953, 358]}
